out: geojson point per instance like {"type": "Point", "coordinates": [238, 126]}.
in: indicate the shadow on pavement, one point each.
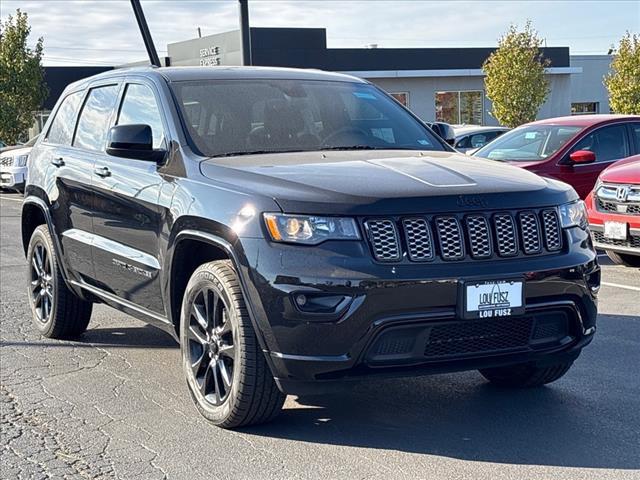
{"type": "Point", "coordinates": [125, 337]}
{"type": "Point", "coordinates": [577, 422]}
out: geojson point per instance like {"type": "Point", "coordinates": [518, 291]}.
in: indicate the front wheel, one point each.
{"type": "Point", "coordinates": [624, 259]}
{"type": "Point", "coordinates": [227, 374]}
{"type": "Point", "coordinates": [525, 375]}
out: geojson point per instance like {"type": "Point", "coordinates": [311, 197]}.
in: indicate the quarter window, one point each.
{"type": "Point", "coordinates": [61, 129]}
{"type": "Point", "coordinates": [608, 143]}
{"type": "Point", "coordinates": [95, 116]}
{"type": "Point", "coordinates": [139, 106]}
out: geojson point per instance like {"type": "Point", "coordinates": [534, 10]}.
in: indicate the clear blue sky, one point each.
{"type": "Point", "coordinates": [104, 32]}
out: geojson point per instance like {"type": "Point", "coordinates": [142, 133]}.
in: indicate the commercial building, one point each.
{"type": "Point", "coordinates": [445, 84]}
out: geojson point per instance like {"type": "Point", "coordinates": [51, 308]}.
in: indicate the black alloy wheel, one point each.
{"type": "Point", "coordinates": [42, 284]}
{"type": "Point", "coordinates": [226, 370]}
{"type": "Point", "coordinates": [57, 311]}
{"type": "Point", "coordinates": [211, 345]}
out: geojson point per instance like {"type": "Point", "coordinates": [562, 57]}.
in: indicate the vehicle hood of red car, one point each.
{"type": "Point", "coordinates": [527, 165]}
{"type": "Point", "coordinates": [624, 171]}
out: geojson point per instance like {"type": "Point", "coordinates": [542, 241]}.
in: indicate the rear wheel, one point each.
{"type": "Point", "coordinates": [227, 374]}
{"type": "Point", "coordinates": [525, 375]}
{"type": "Point", "coordinates": [57, 312]}
{"type": "Point", "coordinates": [624, 259]}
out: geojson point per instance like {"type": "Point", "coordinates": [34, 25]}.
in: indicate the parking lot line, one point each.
{"type": "Point", "coordinates": [12, 199]}
{"type": "Point", "coordinates": [618, 285]}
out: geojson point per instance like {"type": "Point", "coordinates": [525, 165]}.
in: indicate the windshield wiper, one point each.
{"type": "Point", "coordinates": [364, 147]}
{"type": "Point", "coordinates": [251, 152]}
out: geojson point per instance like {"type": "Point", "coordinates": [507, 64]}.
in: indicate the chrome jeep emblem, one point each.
{"type": "Point", "coordinates": [622, 193]}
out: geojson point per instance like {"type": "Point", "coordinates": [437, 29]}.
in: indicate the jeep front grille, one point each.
{"type": "Point", "coordinates": [419, 241]}
{"type": "Point", "coordinates": [450, 237]}
{"type": "Point", "coordinates": [479, 236]}
{"type": "Point", "coordinates": [6, 161]}
{"type": "Point", "coordinates": [384, 239]}
{"type": "Point", "coordinates": [456, 237]}
{"type": "Point", "coordinates": [506, 233]}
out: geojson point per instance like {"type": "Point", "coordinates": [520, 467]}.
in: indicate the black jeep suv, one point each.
{"type": "Point", "coordinates": [295, 229]}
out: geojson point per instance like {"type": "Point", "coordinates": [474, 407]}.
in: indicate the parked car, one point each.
{"type": "Point", "coordinates": [614, 212]}
{"type": "Point", "coordinates": [297, 229]}
{"type": "Point", "coordinates": [473, 137]}
{"type": "Point", "coordinates": [572, 149]}
{"type": "Point", "coordinates": [13, 165]}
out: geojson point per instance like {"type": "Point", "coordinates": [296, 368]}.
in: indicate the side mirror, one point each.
{"type": "Point", "coordinates": [444, 131]}
{"type": "Point", "coordinates": [133, 141]}
{"type": "Point", "coordinates": [582, 156]}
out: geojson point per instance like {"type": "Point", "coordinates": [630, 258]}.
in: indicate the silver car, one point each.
{"type": "Point", "coordinates": [471, 137]}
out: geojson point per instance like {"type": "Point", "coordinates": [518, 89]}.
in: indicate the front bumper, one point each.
{"type": "Point", "coordinates": [12, 177]}
{"type": "Point", "coordinates": [313, 351]}
{"type": "Point", "coordinates": [596, 223]}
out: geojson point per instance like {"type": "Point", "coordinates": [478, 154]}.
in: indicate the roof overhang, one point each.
{"type": "Point", "coordinates": [475, 72]}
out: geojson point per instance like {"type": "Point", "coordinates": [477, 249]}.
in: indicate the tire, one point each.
{"type": "Point", "coordinates": [525, 375]}
{"type": "Point", "coordinates": [226, 371]}
{"type": "Point", "coordinates": [56, 311]}
{"type": "Point", "coordinates": [624, 259]}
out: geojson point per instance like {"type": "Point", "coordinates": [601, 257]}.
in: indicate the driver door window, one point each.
{"type": "Point", "coordinates": [608, 143]}
{"type": "Point", "coordinates": [139, 106]}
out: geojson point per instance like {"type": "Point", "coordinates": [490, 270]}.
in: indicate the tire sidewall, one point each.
{"type": "Point", "coordinates": [40, 236]}
{"type": "Point", "coordinates": [205, 278]}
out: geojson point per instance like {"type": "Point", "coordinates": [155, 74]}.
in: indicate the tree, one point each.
{"type": "Point", "coordinates": [623, 81]}
{"type": "Point", "coordinates": [515, 77]}
{"type": "Point", "coordinates": [22, 88]}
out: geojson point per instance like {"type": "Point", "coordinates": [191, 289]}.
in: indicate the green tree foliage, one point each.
{"type": "Point", "coordinates": [22, 88]}
{"type": "Point", "coordinates": [623, 81]}
{"type": "Point", "coordinates": [515, 77]}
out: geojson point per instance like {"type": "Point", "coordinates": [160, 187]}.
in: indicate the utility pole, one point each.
{"type": "Point", "coordinates": [146, 35]}
{"type": "Point", "coordinates": [245, 33]}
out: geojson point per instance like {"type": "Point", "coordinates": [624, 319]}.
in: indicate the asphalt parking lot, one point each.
{"type": "Point", "coordinates": [113, 404]}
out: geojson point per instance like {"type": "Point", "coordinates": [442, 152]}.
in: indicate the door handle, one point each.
{"type": "Point", "coordinates": [58, 162]}
{"type": "Point", "coordinates": [102, 171]}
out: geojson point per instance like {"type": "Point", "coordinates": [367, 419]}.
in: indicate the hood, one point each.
{"type": "Point", "coordinates": [384, 182]}
{"type": "Point", "coordinates": [15, 151]}
{"type": "Point", "coordinates": [624, 171]}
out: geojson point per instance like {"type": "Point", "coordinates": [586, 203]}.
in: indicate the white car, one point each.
{"type": "Point", "coordinates": [13, 165]}
{"type": "Point", "coordinates": [472, 137]}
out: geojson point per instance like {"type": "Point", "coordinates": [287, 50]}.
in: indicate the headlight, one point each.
{"type": "Point", "coordinates": [573, 214]}
{"type": "Point", "coordinates": [21, 160]}
{"type": "Point", "coordinates": [310, 230]}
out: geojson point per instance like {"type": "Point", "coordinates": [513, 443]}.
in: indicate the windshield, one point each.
{"type": "Point", "coordinates": [235, 117]}
{"type": "Point", "coordinates": [528, 144]}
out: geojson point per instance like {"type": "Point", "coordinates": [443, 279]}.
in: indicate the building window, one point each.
{"type": "Point", "coordinates": [402, 97]}
{"type": "Point", "coordinates": [460, 107]}
{"type": "Point", "coordinates": [585, 108]}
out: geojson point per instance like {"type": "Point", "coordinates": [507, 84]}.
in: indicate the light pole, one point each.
{"type": "Point", "coordinates": [245, 33]}
{"type": "Point", "coordinates": [146, 35]}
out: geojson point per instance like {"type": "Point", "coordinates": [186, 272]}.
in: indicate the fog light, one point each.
{"type": "Point", "coordinates": [301, 300]}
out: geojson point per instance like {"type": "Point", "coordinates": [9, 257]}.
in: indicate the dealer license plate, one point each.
{"type": "Point", "coordinates": [494, 299]}
{"type": "Point", "coordinates": [615, 230]}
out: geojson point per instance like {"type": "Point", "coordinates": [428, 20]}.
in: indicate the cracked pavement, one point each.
{"type": "Point", "coordinates": [113, 404]}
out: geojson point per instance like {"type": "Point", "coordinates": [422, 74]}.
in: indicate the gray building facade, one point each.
{"type": "Point", "coordinates": [445, 84]}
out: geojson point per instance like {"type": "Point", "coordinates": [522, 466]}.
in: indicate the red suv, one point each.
{"type": "Point", "coordinates": [614, 212]}
{"type": "Point", "coordinates": [572, 149]}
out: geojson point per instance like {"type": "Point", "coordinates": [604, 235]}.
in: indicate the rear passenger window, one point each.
{"type": "Point", "coordinates": [139, 107]}
{"type": "Point", "coordinates": [94, 119]}
{"type": "Point", "coordinates": [61, 129]}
